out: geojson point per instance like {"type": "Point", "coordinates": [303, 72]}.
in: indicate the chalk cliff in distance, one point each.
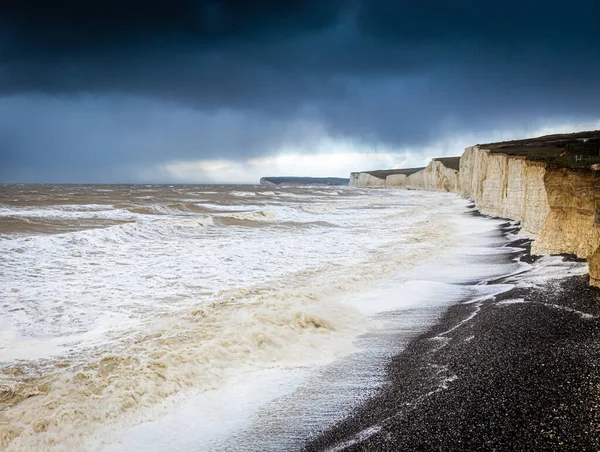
{"type": "Point", "coordinates": [381, 178]}
{"type": "Point", "coordinates": [441, 174]}
{"type": "Point", "coordinates": [550, 184]}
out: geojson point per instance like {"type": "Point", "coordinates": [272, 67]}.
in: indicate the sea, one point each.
{"type": "Point", "coordinates": [219, 317]}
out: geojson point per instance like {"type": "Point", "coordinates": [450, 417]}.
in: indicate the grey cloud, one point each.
{"type": "Point", "coordinates": [380, 71]}
{"type": "Point", "coordinates": [101, 139]}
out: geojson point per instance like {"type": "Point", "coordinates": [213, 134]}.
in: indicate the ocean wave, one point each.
{"type": "Point", "coordinates": [67, 212]}
{"type": "Point", "coordinates": [195, 222]}
{"type": "Point", "coordinates": [323, 208]}
{"type": "Point", "coordinates": [246, 330]}
{"type": "Point", "coordinates": [281, 324]}
{"type": "Point", "coordinates": [298, 196]}
{"type": "Point", "coordinates": [227, 207]}
{"type": "Point", "coordinates": [85, 207]}
{"type": "Point", "coordinates": [208, 304]}
{"type": "Point", "coordinates": [259, 215]}
{"type": "Point", "coordinates": [176, 209]}
{"type": "Point", "coordinates": [60, 225]}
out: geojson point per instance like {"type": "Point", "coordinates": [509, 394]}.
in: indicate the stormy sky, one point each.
{"type": "Point", "coordinates": [227, 91]}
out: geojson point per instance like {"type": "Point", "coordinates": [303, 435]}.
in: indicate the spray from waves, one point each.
{"type": "Point", "coordinates": [199, 350]}
{"type": "Point", "coordinates": [280, 324]}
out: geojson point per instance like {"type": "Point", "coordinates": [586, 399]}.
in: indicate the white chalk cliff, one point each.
{"type": "Point", "coordinates": [394, 178]}
{"type": "Point", "coordinates": [555, 205]}
{"type": "Point", "coordinates": [395, 181]}
{"type": "Point", "coordinates": [366, 180]}
{"type": "Point", "coordinates": [505, 186]}
{"type": "Point", "coordinates": [435, 176]}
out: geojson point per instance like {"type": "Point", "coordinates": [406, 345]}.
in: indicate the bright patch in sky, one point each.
{"type": "Point", "coordinates": [323, 165]}
{"type": "Point", "coordinates": [331, 158]}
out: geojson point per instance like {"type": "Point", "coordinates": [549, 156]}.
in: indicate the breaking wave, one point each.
{"type": "Point", "coordinates": [111, 323]}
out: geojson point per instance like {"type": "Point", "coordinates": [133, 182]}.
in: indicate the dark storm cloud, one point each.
{"type": "Point", "coordinates": [382, 71]}
{"type": "Point", "coordinates": [112, 138]}
{"type": "Point", "coordinates": [72, 26]}
{"type": "Point", "coordinates": [499, 23]}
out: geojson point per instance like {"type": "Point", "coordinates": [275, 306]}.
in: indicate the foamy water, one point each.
{"type": "Point", "coordinates": [121, 302]}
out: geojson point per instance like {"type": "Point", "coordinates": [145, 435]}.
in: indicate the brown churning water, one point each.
{"type": "Point", "coordinates": [116, 298]}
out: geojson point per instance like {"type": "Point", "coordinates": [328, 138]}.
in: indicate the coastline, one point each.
{"type": "Point", "coordinates": [329, 393]}
{"type": "Point", "coordinates": [431, 255]}
{"type": "Point", "coordinates": [519, 371]}
{"type": "Point", "coordinates": [549, 184]}
{"type": "Point", "coordinates": [370, 247]}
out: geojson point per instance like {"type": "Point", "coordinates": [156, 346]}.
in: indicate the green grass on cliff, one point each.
{"type": "Point", "coordinates": [573, 150]}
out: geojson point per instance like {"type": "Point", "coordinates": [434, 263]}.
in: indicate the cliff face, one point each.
{"type": "Point", "coordinates": [366, 180]}
{"type": "Point", "coordinates": [395, 181]}
{"type": "Point", "coordinates": [556, 206]}
{"type": "Point", "coordinates": [379, 178]}
{"type": "Point", "coordinates": [569, 227]}
{"type": "Point", "coordinates": [435, 176]}
{"type": "Point", "coordinates": [538, 182]}
{"type": "Point", "coordinates": [505, 186]}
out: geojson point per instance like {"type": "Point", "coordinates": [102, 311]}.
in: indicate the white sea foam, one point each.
{"type": "Point", "coordinates": [583, 315]}
{"type": "Point", "coordinates": [223, 413]}
{"type": "Point", "coordinates": [549, 270]}
{"type": "Point", "coordinates": [132, 315]}
{"type": "Point", "coordinates": [408, 295]}
{"type": "Point", "coordinates": [229, 207]}
{"type": "Point", "coordinates": [69, 212]}
{"type": "Point", "coordinates": [259, 215]}
{"type": "Point", "coordinates": [400, 296]}
{"type": "Point", "coordinates": [202, 221]}
{"type": "Point", "coordinates": [511, 301]}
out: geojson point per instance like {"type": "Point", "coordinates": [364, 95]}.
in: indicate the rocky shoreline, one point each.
{"type": "Point", "coordinates": [520, 371]}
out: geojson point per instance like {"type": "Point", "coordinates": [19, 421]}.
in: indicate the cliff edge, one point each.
{"type": "Point", "coordinates": [393, 178]}
{"type": "Point", "coordinates": [551, 184]}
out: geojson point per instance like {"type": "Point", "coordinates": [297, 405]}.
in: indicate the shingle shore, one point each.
{"type": "Point", "coordinates": [517, 376]}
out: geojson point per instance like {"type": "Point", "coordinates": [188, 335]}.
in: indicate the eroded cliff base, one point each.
{"type": "Point", "coordinates": [517, 372]}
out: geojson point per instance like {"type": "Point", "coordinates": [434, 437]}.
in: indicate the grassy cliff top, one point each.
{"type": "Point", "coordinates": [571, 150]}
{"type": "Point", "coordinates": [449, 162]}
{"type": "Point", "coordinates": [382, 174]}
